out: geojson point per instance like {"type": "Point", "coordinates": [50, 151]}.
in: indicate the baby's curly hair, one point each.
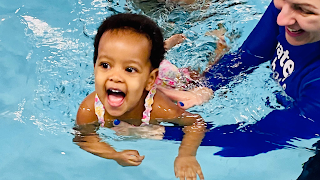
{"type": "Point", "coordinates": [137, 23]}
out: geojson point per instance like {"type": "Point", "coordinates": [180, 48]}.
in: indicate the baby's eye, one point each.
{"type": "Point", "coordinates": [105, 65]}
{"type": "Point", "coordinates": [131, 69]}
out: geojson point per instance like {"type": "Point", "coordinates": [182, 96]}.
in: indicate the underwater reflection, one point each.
{"type": "Point", "coordinates": [236, 140]}
{"type": "Point", "coordinates": [186, 165]}
{"type": "Point", "coordinates": [311, 168]}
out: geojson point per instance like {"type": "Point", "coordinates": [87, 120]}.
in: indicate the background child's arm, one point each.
{"type": "Point", "coordinates": [194, 129]}
{"type": "Point", "coordinates": [173, 40]}
{"type": "Point", "coordinates": [221, 48]}
{"type": "Point", "coordinates": [87, 138]}
{"type": "Point", "coordinates": [198, 95]}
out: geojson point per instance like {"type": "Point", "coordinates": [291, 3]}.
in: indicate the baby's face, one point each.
{"type": "Point", "coordinates": [122, 71]}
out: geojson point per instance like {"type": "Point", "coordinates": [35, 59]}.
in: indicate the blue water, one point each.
{"type": "Point", "coordinates": [46, 71]}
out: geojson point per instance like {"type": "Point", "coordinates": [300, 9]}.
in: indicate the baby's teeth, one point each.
{"type": "Point", "coordinates": [115, 91]}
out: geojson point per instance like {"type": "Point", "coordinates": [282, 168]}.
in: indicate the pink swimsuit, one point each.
{"type": "Point", "coordinates": [169, 76]}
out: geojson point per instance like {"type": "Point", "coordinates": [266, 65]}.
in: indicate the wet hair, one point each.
{"type": "Point", "coordinates": [139, 24]}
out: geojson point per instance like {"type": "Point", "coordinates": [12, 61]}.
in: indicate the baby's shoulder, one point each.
{"type": "Point", "coordinates": [86, 112]}
{"type": "Point", "coordinates": [164, 108]}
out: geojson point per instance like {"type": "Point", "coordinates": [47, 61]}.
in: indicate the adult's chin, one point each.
{"type": "Point", "coordinates": [296, 41]}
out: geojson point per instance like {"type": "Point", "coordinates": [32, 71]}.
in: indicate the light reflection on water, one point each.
{"type": "Point", "coordinates": [60, 56]}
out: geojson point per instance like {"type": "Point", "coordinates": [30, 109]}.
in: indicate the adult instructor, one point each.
{"type": "Point", "coordinates": [288, 35]}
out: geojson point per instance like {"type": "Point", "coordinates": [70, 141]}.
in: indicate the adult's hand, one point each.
{"type": "Point", "coordinates": [188, 99]}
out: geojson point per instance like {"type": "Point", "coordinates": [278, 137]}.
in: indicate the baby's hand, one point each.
{"type": "Point", "coordinates": [128, 158]}
{"type": "Point", "coordinates": [187, 167]}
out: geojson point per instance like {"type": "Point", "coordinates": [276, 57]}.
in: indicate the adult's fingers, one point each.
{"type": "Point", "coordinates": [187, 104]}
{"type": "Point", "coordinates": [175, 95]}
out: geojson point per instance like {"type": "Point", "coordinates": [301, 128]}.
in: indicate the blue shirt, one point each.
{"type": "Point", "coordinates": [296, 68]}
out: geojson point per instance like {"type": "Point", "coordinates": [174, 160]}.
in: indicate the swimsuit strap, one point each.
{"type": "Point", "coordinates": [99, 110]}
{"type": "Point", "coordinates": [170, 77]}
{"type": "Point", "coordinates": [148, 106]}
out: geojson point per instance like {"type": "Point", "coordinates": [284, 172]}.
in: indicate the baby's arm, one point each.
{"type": "Point", "coordinates": [186, 164]}
{"type": "Point", "coordinates": [87, 138]}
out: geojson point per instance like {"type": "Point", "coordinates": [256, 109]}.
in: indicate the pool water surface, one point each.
{"type": "Point", "coordinates": [46, 71]}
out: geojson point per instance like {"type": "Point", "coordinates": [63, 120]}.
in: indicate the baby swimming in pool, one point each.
{"type": "Point", "coordinates": [129, 49]}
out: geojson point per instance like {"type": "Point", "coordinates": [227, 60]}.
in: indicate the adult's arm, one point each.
{"type": "Point", "coordinates": [257, 48]}
{"type": "Point", "coordinates": [274, 131]}
{"type": "Point", "coordinates": [302, 118]}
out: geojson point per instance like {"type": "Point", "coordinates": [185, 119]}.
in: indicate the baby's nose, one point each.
{"type": "Point", "coordinates": [116, 77]}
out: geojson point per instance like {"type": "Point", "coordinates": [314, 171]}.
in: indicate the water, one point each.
{"type": "Point", "coordinates": [46, 71]}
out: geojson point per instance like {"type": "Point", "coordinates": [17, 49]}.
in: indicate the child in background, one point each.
{"type": "Point", "coordinates": [189, 87]}
{"type": "Point", "coordinates": [128, 51]}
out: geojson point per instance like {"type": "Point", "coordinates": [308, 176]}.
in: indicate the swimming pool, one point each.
{"type": "Point", "coordinates": [46, 71]}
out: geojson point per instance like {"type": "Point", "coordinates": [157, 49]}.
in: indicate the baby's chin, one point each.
{"type": "Point", "coordinates": [115, 113]}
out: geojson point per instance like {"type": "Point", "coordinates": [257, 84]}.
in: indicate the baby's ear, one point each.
{"type": "Point", "coordinates": [152, 79]}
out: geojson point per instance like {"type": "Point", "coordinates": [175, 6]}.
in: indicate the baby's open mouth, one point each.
{"type": "Point", "coordinates": [115, 97]}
